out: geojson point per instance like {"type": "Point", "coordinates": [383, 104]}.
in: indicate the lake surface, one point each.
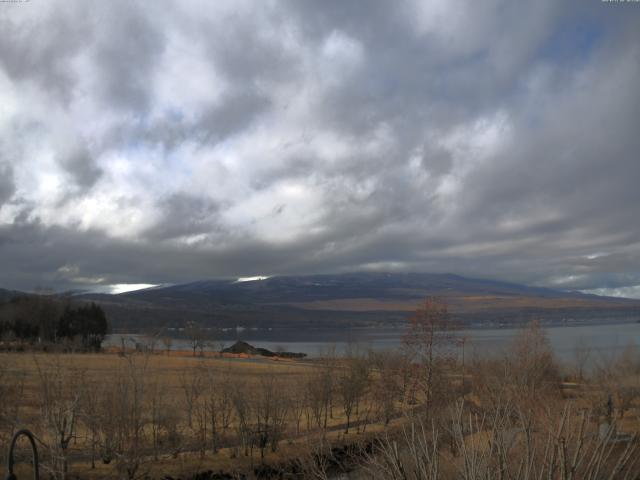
{"type": "Point", "coordinates": [603, 341]}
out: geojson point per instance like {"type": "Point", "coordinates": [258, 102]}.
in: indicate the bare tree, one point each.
{"type": "Point", "coordinates": [90, 394]}
{"type": "Point", "coordinates": [242, 408]}
{"type": "Point", "coordinates": [526, 375]}
{"type": "Point", "coordinates": [270, 410]}
{"type": "Point", "coordinates": [196, 336]}
{"type": "Point", "coordinates": [192, 386]}
{"type": "Point", "coordinates": [429, 341]}
{"type": "Point", "coordinates": [201, 424]}
{"type": "Point", "coordinates": [219, 405]}
{"type": "Point", "coordinates": [353, 380]}
{"type": "Point", "coordinates": [167, 341]}
{"type": "Point", "coordinates": [299, 403]}
{"type": "Point", "coordinates": [124, 416]}
{"type": "Point", "coordinates": [386, 387]}
{"type": "Point", "coordinates": [535, 368]}
{"type": "Point", "coordinates": [59, 402]}
{"type": "Point", "coordinates": [163, 420]}
{"type": "Point", "coordinates": [153, 340]}
{"type": "Point", "coordinates": [320, 388]}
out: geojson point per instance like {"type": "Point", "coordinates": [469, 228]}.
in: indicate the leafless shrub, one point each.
{"type": "Point", "coordinates": [11, 406]}
{"type": "Point", "coordinates": [415, 455]}
{"type": "Point", "coordinates": [123, 414]}
{"type": "Point", "coordinates": [192, 387]}
{"type": "Point", "coordinates": [163, 421]}
{"type": "Point", "coordinates": [219, 405]}
{"type": "Point", "coordinates": [316, 463]}
{"type": "Point", "coordinates": [507, 443]}
{"type": "Point", "coordinates": [90, 395]}
{"type": "Point", "coordinates": [618, 380]}
{"type": "Point", "coordinates": [526, 375]}
{"type": "Point", "coordinates": [59, 403]}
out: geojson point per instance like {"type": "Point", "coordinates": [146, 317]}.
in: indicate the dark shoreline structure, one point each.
{"type": "Point", "coordinates": [244, 347]}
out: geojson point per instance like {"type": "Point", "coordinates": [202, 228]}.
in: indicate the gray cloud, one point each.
{"type": "Point", "coordinates": [127, 47]}
{"type": "Point", "coordinates": [34, 49]}
{"type": "Point", "coordinates": [184, 215]}
{"type": "Point", "coordinates": [82, 168]}
{"type": "Point", "coordinates": [7, 187]}
{"type": "Point", "coordinates": [150, 144]}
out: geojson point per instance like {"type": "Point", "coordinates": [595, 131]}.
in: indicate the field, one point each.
{"type": "Point", "coordinates": [152, 415]}
{"type": "Point", "coordinates": [181, 400]}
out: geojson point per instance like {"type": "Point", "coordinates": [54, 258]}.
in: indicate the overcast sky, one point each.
{"type": "Point", "coordinates": [150, 142]}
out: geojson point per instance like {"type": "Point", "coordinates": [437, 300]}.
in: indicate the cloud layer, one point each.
{"type": "Point", "coordinates": [153, 142]}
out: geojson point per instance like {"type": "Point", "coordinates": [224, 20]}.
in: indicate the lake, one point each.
{"type": "Point", "coordinates": [604, 341]}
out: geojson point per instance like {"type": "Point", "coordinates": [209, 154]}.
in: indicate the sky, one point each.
{"type": "Point", "coordinates": [146, 143]}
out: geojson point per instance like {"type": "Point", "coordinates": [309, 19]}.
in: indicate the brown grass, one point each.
{"type": "Point", "coordinates": [168, 371]}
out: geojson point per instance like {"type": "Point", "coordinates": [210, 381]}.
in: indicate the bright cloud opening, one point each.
{"type": "Point", "coordinates": [129, 287]}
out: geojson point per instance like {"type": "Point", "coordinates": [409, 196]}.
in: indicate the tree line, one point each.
{"type": "Point", "coordinates": [45, 320]}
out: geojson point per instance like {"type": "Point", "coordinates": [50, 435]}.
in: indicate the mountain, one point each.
{"type": "Point", "coordinates": [355, 299]}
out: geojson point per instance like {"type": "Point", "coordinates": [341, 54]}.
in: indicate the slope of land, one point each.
{"type": "Point", "coordinates": [358, 299]}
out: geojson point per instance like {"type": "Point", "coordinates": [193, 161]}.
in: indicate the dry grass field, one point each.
{"type": "Point", "coordinates": [142, 415]}
{"type": "Point", "coordinates": [167, 371]}
{"type": "Point", "coordinates": [177, 395]}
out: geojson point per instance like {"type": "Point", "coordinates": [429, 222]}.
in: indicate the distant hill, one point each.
{"type": "Point", "coordinates": [7, 294]}
{"type": "Point", "coordinates": [355, 299]}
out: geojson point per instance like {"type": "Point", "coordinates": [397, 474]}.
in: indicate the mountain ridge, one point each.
{"type": "Point", "coordinates": [354, 299]}
{"type": "Point", "coordinates": [349, 300]}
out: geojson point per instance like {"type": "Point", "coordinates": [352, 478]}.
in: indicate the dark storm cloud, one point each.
{"type": "Point", "coordinates": [166, 144]}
